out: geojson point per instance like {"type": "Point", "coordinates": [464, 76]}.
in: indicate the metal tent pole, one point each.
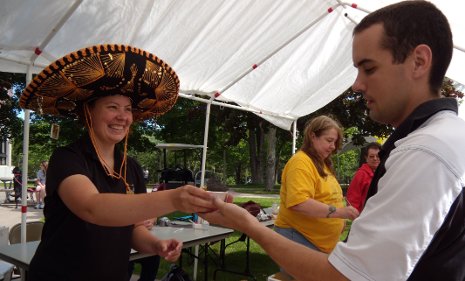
{"type": "Point", "coordinates": [24, 164]}
{"type": "Point", "coordinates": [202, 178]}
{"type": "Point", "coordinates": [294, 136]}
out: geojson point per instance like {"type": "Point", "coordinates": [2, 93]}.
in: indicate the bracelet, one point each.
{"type": "Point", "coordinates": [331, 209]}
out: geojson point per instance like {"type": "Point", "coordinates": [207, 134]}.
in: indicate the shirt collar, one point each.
{"type": "Point", "coordinates": [423, 112]}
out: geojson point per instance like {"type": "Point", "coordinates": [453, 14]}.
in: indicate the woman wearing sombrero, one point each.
{"type": "Point", "coordinates": [93, 212]}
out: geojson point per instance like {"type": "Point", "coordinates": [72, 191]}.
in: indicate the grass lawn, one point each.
{"type": "Point", "coordinates": [261, 264]}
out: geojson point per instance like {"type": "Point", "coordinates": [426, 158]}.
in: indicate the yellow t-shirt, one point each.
{"type": "Point", "coordinates": [300, 181]}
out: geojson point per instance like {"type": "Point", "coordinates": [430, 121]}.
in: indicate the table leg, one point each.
{"type": "Point", "coordinates": [22, 272]}
{"type": "Point", "coordinates": [223, 268]}
{"type": "Point", "coordinates": [205, 262]}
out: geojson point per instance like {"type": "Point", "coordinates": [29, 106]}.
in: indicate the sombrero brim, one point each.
{"type": "Point", "coordinates": [62, 87]}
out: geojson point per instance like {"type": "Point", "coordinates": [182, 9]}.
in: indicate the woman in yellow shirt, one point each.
{"type": "Point", "coordinates": [312, 211]}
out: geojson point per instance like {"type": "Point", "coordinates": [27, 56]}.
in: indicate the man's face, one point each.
{"type": "Point", "coordinates": [385, 86]}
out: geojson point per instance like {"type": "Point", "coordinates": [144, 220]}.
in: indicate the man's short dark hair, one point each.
{"type": "Point", "coordinates": [408, 24]}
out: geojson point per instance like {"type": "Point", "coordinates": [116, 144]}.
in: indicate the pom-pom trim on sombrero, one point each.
{"type": "Point", "coordinates": [62, 87]}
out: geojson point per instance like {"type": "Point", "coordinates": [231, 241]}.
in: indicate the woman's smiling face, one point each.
{"type": "Point", "coordinates": [111, 118]}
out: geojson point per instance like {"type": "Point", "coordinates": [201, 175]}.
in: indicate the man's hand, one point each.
{"type": "Point", "coordinates": [229, 215]}
{"type": "Point", "coordinates": [191, 199]}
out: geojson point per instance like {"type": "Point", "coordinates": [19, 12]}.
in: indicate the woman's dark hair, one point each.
{"type": "Point", "coordinates": [364, 152]}
{"type": "Point", "coordinates": [16, 170]}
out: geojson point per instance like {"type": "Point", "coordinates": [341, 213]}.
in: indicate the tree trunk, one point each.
{"type": "Point", "coordinates": [270, 163]}
{"type": "Point", "coordinates": [225, 165]}
{"type": "Point", "coordinates": [238, 173]}
{"type": "Point", "coordinates": [255, 143]}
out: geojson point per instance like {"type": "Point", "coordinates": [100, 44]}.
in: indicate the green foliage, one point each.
{"type": "Point", "coordinates": [345, 165]}
{"type": "Point", "coordinates": [10, 84]}
{"type": "Point", "coordinates": [184, 123]}
{"type": "Point", "coordinates": [350, 110]}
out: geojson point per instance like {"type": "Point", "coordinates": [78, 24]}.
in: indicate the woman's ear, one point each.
{"type": "Point", "coordinates": [312, 136]}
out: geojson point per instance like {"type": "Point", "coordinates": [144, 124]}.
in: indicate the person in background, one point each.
{"type": "Point", "coordinates": [146, 175]}
{"type": "Point", "coordinates": [40, 185]}
{"type": "Point", "coordinates": [311, 208]}
{"type": "Point", "coordinates": [148, 265]}
{"type": "Point", "coordinates": [96, 201]}
{"type": "Point", "coordinates": [413, 224]}
{"type": "Point", "coordinates": [358, 188]}
{"type": "Point", "coordinates": [17, 184]}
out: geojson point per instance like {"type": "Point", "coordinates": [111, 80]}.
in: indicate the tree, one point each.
{"type": "Point", "coordinates": [270, 163]}
{"type": "Point", "coordinates": [350, 110]}
{"type": "Point", "coordinates": [11, 85]}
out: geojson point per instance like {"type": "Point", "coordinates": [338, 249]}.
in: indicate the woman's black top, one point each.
{"type": "Point", "coordinates": [74, 249]}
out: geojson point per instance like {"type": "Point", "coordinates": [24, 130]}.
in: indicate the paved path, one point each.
{"type": "Point", "coordinates": [249, 195]}
{"type": "Point", "coordinates": [10, 216]}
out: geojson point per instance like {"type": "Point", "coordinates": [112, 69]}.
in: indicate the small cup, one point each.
{"type": "Point", "coordinates": [220, 194]}
{"type": "Point", "coordinates": [203, 225]}
{"type": "Point", "coordinates": [275, 208]}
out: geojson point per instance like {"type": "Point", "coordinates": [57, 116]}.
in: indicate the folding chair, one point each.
{"type": "Point", "coordinates": [6, 271]}
{"type": "Point", "coordinates": [33, 233]}
{"type": "Point", "coordinates": [6, 268]}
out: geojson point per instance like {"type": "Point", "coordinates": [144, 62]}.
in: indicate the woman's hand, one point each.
{"type": "Point", "coordinates": [191, 199]}
{"type": "Point", "coordinates": [346, 213]}
{"type": "Point", "coordinates": [169, 249]}
{"type": "Point", "coordinates": [149, 223]}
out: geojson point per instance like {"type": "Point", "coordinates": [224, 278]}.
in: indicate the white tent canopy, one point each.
{"type": "Point", "coordinates": [301, 50]}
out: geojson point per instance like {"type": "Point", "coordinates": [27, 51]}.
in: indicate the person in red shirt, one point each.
{"type": "Point", "coordinates": [358, 188]}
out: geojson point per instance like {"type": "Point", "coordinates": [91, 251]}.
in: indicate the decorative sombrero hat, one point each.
{"type": "Point", "coordinates": [102, 70]}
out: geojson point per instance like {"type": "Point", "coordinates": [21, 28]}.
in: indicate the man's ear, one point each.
{"type": "Point", "coordinates": [423, 59]}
